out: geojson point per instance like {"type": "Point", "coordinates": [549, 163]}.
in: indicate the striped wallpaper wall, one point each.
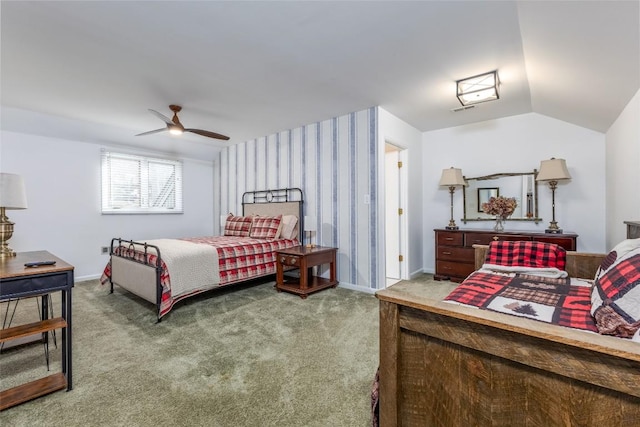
{"type": "Point", "coordinates": [335, 163]}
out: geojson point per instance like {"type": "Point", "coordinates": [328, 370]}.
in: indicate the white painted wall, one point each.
{"type": "Point", "coordinates": [623, 171]}
{"type": "Point", "coordinates": [62, 180]}
{"type": "Point", "coordinates": [401, 134]}
{"type": "Point", "coordinates": [518, 144]}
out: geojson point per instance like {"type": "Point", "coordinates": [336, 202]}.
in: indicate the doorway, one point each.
{"type": "Point", "coordinates": [395, 215]}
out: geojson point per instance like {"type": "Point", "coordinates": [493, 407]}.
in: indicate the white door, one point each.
{"type": "Point", "coordinates": [392, 212]}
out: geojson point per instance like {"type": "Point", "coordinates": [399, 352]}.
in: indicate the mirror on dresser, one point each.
{"type": "Point", "coordinates": [522, 186]}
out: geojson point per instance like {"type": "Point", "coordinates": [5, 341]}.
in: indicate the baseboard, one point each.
{"type": "Point", "coordinates": [353, 287]}
{"type": "Point", "coordinates": [86, 278]}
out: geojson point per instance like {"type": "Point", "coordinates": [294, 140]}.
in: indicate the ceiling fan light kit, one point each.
{"type": "Point", "coordinates": [176, 128]}
{"type": "Point", "coordinates": [477, 89]}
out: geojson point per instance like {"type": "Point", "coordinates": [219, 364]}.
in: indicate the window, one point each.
{"type": "Point", "coordinates": [137, 184]}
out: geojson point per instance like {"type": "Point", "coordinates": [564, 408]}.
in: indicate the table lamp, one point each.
{"type": "Point", "coordinates": [452, 178]}
{"type": "Point", "coordinates": [12, 196]}
{"type": "Point", "coordinates": [553, 170]}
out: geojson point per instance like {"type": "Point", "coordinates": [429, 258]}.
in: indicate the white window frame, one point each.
{"type": "Point", "coordinates": [142, 205]}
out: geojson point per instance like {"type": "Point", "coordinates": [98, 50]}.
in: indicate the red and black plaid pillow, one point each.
{"type": "Point", "coordinates": [239, 226]}
{"type": "Point", "coordinates": [615, 297]}
{"type": "Point", "coordinates": [522, 253]}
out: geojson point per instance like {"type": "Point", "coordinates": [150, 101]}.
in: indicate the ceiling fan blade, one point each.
{"type": "Point", "coordinates": [152, 131]}
{"type": "Point", "coordinates": [162, 117]}
{"type": "Point", "coordinates": [208, 133]}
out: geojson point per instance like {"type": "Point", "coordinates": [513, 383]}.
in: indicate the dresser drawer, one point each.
{"type": "Point", "coordinates": [567, 243]}
{"type": "Point", "coordinates": [289, 260]}
{"type": "Point", "coordinates": [449, 253]}
{"type": "Point", "coordinates": [454, 269]}
{"type": "Point", "coordinates": [449, 238]}
{"type": "Point", "coordinates": [486, 238]}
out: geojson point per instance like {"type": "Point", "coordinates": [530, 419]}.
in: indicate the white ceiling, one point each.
{"type": "Point", "coordinates": [89, 70]}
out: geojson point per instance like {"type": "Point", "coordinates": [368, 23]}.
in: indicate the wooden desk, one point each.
{"type": "Point", "coordinates": [304, 259]}
{"type": "Point", "coordinates": [19, 281]}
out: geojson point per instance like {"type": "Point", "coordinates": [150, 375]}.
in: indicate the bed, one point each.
{"type": "Point", "coordinates": [165, 271]}
{"type": "Point", "coordinates": [453, 365]}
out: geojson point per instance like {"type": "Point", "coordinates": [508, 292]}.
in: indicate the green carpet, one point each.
{"type": "Point", "coordinates": [246, 356]}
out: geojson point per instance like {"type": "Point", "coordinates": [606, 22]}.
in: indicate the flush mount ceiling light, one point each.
{"type": "Point", "coordinates": [477, 89]}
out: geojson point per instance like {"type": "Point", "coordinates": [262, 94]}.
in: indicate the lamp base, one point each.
{"type": "Point", "coordinates": [7, 253]}
{"type": "Point", "coordinates": [6, 231]}
{"type": "Point", "coordinates": [553, 230]}
{"type": "Point", "coordinates": [452, 227]}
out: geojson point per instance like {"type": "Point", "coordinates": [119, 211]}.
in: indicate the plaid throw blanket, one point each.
{"type": "Point", "coordinates": [550, 300]}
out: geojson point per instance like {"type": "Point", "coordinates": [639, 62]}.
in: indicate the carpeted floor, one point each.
{"type": "Point", "coordinates": [248, 356]}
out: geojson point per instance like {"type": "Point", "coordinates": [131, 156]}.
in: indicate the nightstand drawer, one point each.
{"type": "Point", "coordinates": [289, 260]}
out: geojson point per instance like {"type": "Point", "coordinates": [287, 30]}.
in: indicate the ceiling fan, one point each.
{"type": "Point", "coordinates": [176, 128]}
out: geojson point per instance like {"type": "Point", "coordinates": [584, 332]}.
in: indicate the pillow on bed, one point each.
{"type": "Point", "coordinates": [615, 296]}
{"type": "Point", "coordinates": [288, 227]}
{"type": "Point", "coordinates": [265, 227]}
{"type": "Point", "coordinates": [239, 226]}
{"type": "Point", "coordinates": [522, 253]}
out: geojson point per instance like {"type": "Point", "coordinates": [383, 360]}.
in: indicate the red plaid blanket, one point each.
{"type": "Point", "coordinates": [239, 259]}
{"type": "Point", "coordinates": [550, 300]}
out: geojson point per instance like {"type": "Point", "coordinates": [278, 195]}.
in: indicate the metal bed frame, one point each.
{"type": "Point", "coordinates": [280, 195]}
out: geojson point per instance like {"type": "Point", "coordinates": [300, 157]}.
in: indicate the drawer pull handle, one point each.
{"type": "Point", "coordinates": [446, 253]}
{"type": "Point", "coordinates": [496, 238]}
{"type": "Point", "coordinates": [448, 238]}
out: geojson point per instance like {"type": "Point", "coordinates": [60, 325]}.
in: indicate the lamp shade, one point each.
{"type": "Point", "coordinates": [553, 170]}
{"type": "Point", "coordinates": [309, 223]}
{"type": "Point", "coordinates": [12, 194]}
{"type": "Point", "coordinates": [452, 177]}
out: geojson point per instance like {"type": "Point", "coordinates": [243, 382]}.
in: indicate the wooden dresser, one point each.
{"type": "Point", "coordinates": [633, 229]}
{"type": "Point", "coordinates": [454, 248]}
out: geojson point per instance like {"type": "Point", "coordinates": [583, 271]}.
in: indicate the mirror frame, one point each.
{"type": "Point", "coordinates": [535, 217]}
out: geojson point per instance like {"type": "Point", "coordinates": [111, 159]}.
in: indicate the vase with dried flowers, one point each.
{"type": "Point", "coordinates": [501, 207]}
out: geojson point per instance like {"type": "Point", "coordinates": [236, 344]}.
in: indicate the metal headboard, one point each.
{"type": "Point", "coordinates": [280, 195]}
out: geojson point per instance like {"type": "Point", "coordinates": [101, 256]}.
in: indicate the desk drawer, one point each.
{"type": "Point", "coordinates": [449, 253]}
{"type": "Point", "coordinates": [34, 285]}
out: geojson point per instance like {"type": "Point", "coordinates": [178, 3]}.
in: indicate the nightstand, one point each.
{"type": "Point", "coordinates": [304, 258]}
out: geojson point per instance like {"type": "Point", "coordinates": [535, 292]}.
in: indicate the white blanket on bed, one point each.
{"type": "Point", "coordinates": [191, 266]}
{"type": "Point", "coordinates": [534, 271]}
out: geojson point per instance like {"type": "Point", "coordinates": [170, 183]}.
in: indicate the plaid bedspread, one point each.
{"type": "Point", "coordinates": [564, 301]}
{"type": "Point", "coordinates": [239, 259]}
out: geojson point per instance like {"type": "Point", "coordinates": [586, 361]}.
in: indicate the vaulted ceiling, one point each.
{"type": "Point", "coordinates": [90, 70]}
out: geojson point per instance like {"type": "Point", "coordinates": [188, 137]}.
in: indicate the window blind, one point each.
{"type": "Point", "coordinates": [139, 184]}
